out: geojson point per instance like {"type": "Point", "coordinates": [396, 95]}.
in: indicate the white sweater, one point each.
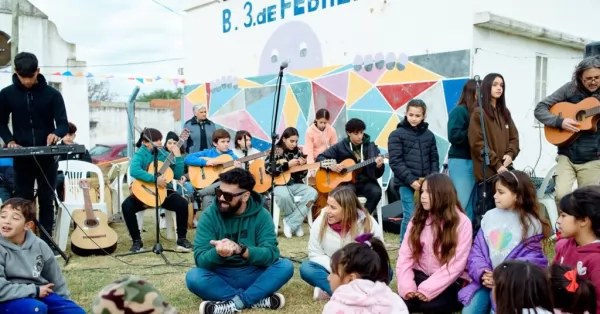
{"type": "Point", "coordinates": [321, 252]}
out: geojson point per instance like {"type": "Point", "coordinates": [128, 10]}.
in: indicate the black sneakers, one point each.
{"type": "Point", "coordinates": [184, 245]}
{"type": "Point", "coordinates": [273, 302]}
{"type": "Point", "coordinates": [136, 246]}
{"type": "Point", "coordinates": [218, 307]}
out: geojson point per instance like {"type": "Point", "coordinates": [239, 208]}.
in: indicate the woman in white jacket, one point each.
{"type": "Point", "coordinates": [342, 220]}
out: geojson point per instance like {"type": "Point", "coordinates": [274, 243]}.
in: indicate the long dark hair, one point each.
{"type": "Point", "coordinates": [467, 98]}
{"type": "Point", "coordinates": [287, 133]}
{"type": "Point", "coordinates": [445, 219]}
{"type": "Point", "coordinates": [571, 293]}
{"type": "Point", "coordinates": [321, 113]}
{"type": "Point", "coordinates": [241, 134]}
{"type": "Point", "coordinates": [368, 257]}
{"type": "Point", "coordinates": [521, 285]}
{"type": "Point", "coordinates": [583, 203]}
{"type": "Point", "coordinates": [149, 133]}
{"type": "Point", "coordinates": [486, 97]}
{"type": "Point", "coordinates": [526, 204]}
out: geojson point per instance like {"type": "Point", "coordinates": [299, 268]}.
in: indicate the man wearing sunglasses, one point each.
{"type": "Point", "coordinates": [235, 250]}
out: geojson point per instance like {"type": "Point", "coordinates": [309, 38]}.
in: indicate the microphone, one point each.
{"type": "Point", "coordinates": [477, 78]}
{"type": "Point", "coordinates": [284, 65]}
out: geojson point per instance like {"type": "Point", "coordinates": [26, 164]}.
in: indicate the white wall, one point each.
{"type": "Point", "coordinates": [112, 123]}
{"type": "Point", "coordinates": [40, 36]}
{"type": "Point", "coordinates": [514, 58]}
{"type": "Point", "coordinates": [344, 31]}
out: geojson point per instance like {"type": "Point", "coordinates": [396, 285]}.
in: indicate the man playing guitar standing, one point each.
{"type": "Point", "coordinates": [35, 107]}
{"type": "Point", "coordinates": [580, 160]}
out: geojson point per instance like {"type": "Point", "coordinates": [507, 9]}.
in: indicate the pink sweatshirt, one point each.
{"type": "Point", "coordinates": [318, 141]}
{"type": "Point", "coordinates": [440, 276]}
{"type": "Point", "coordinates": [365, 297]}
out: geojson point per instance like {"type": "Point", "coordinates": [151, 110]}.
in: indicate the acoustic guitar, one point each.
{"type": "Point", "coordinates": [201, 177]}
{"type": "Point", "coordinates": [264, 180]}
{"type": "Point", "coordinates": [586, 112]}
{"type": "Point", "coordinates": [326, 180]}
{"type": "Point", "coordinates": [145, 191]}
{"type": "Point", "coordinates": [92, 235]}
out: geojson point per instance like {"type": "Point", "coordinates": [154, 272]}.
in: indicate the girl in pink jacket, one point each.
{"type": "Point", "coordinates": [433, 254]}
{"type": "Point", "coordinates": [359, 272]}
{"type": "Point", "coordinates": [319, 136]}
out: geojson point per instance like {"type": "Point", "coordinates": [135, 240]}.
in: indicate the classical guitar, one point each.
{"type": "Point", "coordinates": [586, 112]}
{"type": "Point", "coordinates": [264, 180]}
{"type": "Point", "coordinates": [145, 191]}
{"type": "Point", "coordinates": [326, 180]}
{"type": "Point", "coordinates": [92, 236]}
{"type": "Point", "coordinates": [201, 177]}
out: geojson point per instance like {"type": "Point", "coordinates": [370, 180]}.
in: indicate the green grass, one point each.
{"type": "Point", "coordinates": [86, 276]}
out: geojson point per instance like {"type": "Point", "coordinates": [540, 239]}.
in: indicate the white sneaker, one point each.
{"type": "Point", "coordinates": [320, 295]}
{"type": "Point", "coordinates": [287, 231]}
{"type": "Point", "coordinates": [163, 223]}
{"type": "Point", "coordinates": [299, 232]}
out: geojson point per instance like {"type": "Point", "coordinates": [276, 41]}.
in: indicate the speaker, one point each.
{"type": "Point", "coordinates": [391, 217]}
{"type": "Point", "coordinates": [592, 49]}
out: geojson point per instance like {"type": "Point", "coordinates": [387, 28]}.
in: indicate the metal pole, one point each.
{"type": "Point", "coordinates": [131, 117]}
{"type": "Point", "coordinates": [14, 38]}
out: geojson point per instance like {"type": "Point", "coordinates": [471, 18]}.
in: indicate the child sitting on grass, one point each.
{"type": "Point", "coordinates": [30, 278]}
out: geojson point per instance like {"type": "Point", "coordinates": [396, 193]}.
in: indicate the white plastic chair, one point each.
{"type": "Point", "coordinates": [169, 216]}
{"type": "Point", "coordinates": [548, 200]}
{"type": "Point", "coordinates": [74, 171]}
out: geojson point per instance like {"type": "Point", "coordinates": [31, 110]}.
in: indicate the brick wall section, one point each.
{"type": "Point", "coordinates": [174, 104]}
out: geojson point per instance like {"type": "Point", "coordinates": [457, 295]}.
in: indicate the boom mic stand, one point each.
{"type": "Point", "coordinates": [274, 135]}
{"type": "Point", "coordinates": [158, 248]}
{"type": "Point", "coordinates": [485, 153]}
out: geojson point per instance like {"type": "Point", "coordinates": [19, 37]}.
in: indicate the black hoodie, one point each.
{"type": "Point", "coordinates": [34, 111]}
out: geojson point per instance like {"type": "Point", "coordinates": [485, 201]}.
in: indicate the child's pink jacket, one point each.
{"type": "Point", "coordinates": [365, 297]}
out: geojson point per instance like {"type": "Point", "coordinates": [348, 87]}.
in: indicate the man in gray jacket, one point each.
{"type": "Point", "coordinates": [580, 160]}
{"type": "Point", "coordinates": [201, 130]}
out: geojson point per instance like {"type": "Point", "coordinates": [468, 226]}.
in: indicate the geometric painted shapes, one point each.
{"type": "Point", "coordinates": [220, 98]}
{"type": "Point", "coordinates": [398, 95]}
{"type": "Point", "coordinates": [258, 93]}
{"type": "Point", "coordinates": [451, 64]}
{"type": "Point", "coordinates": [372, 100]}
{"type": "Point", "coordinates": [238, 102]}
{"type": "Point", "coordinates": [339, 124]}
{"type": "Point", "coordinates": [374, 120]}
{"type": "Point", "coordinates": [371, 76]}
{"type": "Point", "coordinates": [188, 111]}
{"type": "Point", "coordinates": [301, 125]}
{"type": "Point", "coordinates": [198, 95]}
{"type": "Point", "coordinates": [391, 125]}
{"type": "Point", "coordinates": [241, 120]}
{"type": "Point", "coordinates": [303, 93]}
{"type": "Point", "coordinates": [243, 83]}
{"type": "Point", "coordinates": [325, 99]}
{"type": "Point", "coordinates": [442, 146]}
{"type": "Point", "coordinates": [262, 110]}
{"type": "Point", "coordinates": [314, 73]}
{"type": "Point", "coordinates": [357, 87]}
{"type": "Point", "coordinates": [260, 144]}
{"type": "Point", "coordinates": [411, 73]}
{"type": "Point", "coordinates": [291, 109]}
{"type": "Point", "coordinates": [437, 116]}
{"type": "Point", "coordinates": [262, 79]}
{"type": "Point", "coordinates": [344, 68]}
{"type": "Point", "coordinates": [287, 79]}
{"type": "Point", "coordinates": [336, 84]}
{"type": "Point", "coordinates": [189, 88]}
{"type": "Point", "coordinates": [452, 90]}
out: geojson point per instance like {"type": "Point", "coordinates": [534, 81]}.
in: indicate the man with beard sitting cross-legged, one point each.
{"type": "Point", "coordinates": [235, 250]}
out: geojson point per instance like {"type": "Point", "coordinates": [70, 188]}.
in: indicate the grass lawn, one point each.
{"type": "Point", "coordinates": [86, 276]}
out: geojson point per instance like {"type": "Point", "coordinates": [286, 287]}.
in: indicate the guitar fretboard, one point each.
{"type": "Point", "coordinates": [365, 163]}
{"type": "Point", "coordinates": [592, 111]}
{"type": "Point", "coordinates": [246, 159]}
{"type": "Point", "coordinates": [169, 159]}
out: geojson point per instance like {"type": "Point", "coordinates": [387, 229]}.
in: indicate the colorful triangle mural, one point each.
{"type": "Point", "coordinates": [357, 87]}
{"type": "Point", "coordinates": [398, 95]}
{"type": "Point", "coordinates": [412, 73]}
{"type": "Point", "coordinates": [337, 84]}
{"type": "Point", "coordinates": [325, 99]}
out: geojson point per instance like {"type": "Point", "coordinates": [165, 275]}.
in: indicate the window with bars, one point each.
{"type": "Point", "coordinates": [541, 75]}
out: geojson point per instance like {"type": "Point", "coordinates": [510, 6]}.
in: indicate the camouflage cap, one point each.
{"type": "Point", "coordinates": [130, 294]}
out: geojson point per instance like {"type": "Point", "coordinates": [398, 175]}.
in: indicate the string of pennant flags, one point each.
{"type": "Point", "coordinates": [177, 81]}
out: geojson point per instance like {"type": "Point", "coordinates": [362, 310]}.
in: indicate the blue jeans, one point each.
{"type": "Point", "coordinates": [407, 196]}
{"type": "Point", "coordinates": [245, 284]}
{"type": "Point", "coordinates": [461, 173]}
{"type": "Point", "coordinates": [52, 304]}
{"type": "Point", "coordinates": [480, 303]}
{"type": "Point", "coordinates": [316, 275]}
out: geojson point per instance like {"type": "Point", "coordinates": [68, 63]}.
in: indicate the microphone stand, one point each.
{"type": "Point", "coordinates": [275, 136]}
{"type": "Point", "coordinates": [158, 248]}
{"type": "Point", "coordinates": [485, 152]}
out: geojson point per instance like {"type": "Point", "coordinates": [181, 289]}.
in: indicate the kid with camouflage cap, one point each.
{"type": "Point", "coordinates": [130, 294]}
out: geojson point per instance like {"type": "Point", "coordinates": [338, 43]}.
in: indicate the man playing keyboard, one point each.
{"type": "Point", "coordinates": [36, 108]}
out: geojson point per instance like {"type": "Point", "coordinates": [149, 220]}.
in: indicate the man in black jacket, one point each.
{"type": "Point", "coordinates": [35, 108]}
{"type": "Point", "coordinates": [358, 147]}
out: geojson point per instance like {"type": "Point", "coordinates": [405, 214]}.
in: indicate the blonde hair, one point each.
{"type": "Point", "coordinates": [348, 201]}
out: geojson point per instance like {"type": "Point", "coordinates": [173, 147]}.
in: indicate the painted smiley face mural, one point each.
{"type": "Point", "coordinates": [294, 42]}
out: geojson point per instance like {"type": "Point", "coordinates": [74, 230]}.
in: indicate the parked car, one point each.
{"type": "Point", "coordinates": [108, 152]}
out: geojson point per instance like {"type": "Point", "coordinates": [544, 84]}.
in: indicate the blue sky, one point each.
{"type": "Point", "coordinates": [122, 31]}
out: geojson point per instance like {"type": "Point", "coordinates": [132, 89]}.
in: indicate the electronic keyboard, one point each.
{"type": "Point", "coordinates": [42, 150]}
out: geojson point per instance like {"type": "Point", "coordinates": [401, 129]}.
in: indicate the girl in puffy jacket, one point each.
{"type": "Point", "coordinates": [433, 254]}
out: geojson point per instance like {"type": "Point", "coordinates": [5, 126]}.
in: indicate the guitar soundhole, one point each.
{"type": "Point", "coordinates": [344, 171]}
{"type": "Point", "coordinates": [580, 116]}
{"type": "Point", "coordinates": [91, 223]}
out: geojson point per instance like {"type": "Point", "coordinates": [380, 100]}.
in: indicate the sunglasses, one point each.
{"type": "Point", "coordinates": [226, 195]}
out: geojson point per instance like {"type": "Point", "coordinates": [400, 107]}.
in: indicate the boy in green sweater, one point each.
{"type": "Point", "coordinates": [173, 202]}
{"type": "Point", "coordinates": [235, 249]}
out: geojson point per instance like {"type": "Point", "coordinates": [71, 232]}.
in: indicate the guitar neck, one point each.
{"type": "Point", "coordinates": [245, 159]}
{"type": "Point", "coordinates": [169, 159]}
{"type": "Point", "coordinates": [305, 167]}
{"type": "Point", "coordinates": [365, 163]}
{"type": "Point", "coordinates": [592, 111]}
{"type": "Point", "coordinates": [87, 204]}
